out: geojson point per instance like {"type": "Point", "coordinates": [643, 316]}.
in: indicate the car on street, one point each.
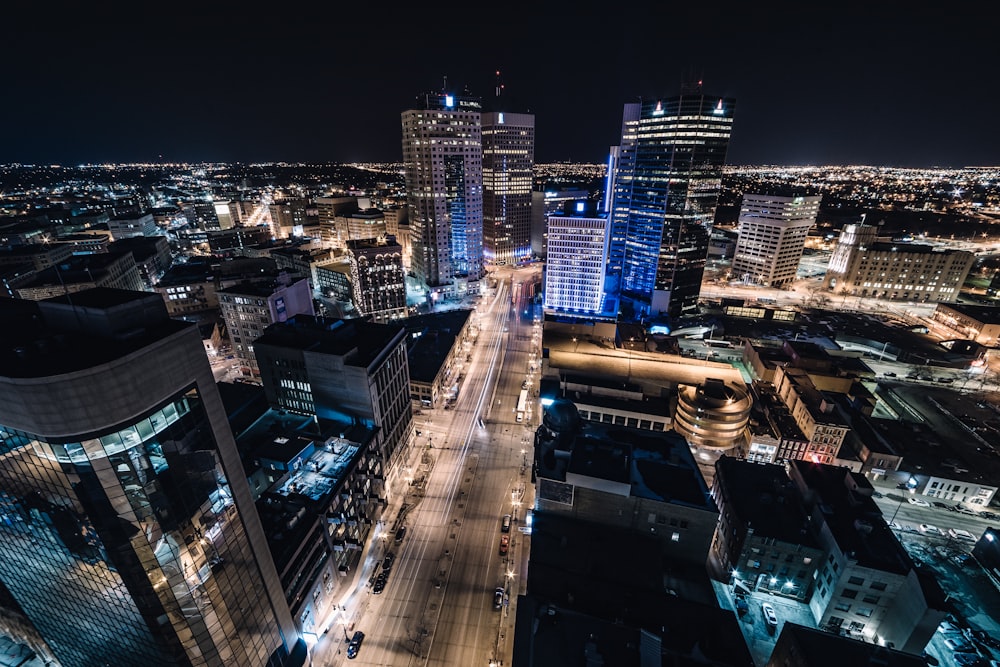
{"type": "Point", "coordinates": [958, 644]}
{"type": "Point", "coordinates": [770, 617]}
{"type": "Point", "coordinates": [355, 644]}
{"type": "Point", "coordinates": [504, 544]}
{"type": "Point", "coordinates": [970, 659]}
{"type": "Point", "coordinates": [379, 584]}
{"type": "Point", "coordinates": [505, 524]}
{"type": "Point", "coordinates": [498, 597]}
{"type": "Point", "coordinates": [400, 534]}
{"type": "Point", "coordinates": [387, 562]}
{"type": "Point", "coordinates": [960, 534]}
{"type": "Point", "coordinates": [918, 501]}
{"type": "Point", "coordinates": [928, 528]}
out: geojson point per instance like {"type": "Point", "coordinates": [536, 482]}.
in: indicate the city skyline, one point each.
{"type": "Point", "coordinates": [216, 86]}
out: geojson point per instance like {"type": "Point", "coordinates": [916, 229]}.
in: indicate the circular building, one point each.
{"type": "Point", "coordinates": [712, 416]}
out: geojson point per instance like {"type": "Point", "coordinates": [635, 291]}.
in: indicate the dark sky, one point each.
{"type": "Point", "coordinates": [853, 84]}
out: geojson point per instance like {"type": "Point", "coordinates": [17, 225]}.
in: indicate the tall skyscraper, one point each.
{"type": "Point", "coordinates": [772, 235]}
{"type": "Point", "coordinates": [665, 194]}
{"type": "Point", "coordinates": [129, 535]}
{"type": "Point", "coordinates": [508, 174]}
{"type": "Point", "coordinates": [443, 166]}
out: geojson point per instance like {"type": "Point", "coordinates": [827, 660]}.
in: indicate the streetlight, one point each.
{"type": "Point", "coordinates": [893, 519]}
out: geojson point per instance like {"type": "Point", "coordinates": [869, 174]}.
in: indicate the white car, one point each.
{"type": "Point", "coordinates": [770, 617]}
{"type": "Point", "coordinates": [928, 528]}
{"type": "Point", "coordinates": [918, 501]}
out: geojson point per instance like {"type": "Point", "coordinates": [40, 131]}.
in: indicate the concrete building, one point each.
{"type": "Point", "coordinates": [801, 646]}
{"type": "Point", "coordinates": [438, 347]}
{"type": "Point", "coordinates": [863, 266]}
{"type": "Point", "coordinates": [508, 163]}
{"type": "Point", "coordinates": [113, 270]}
{"type": "Point", "coordinates": [713, 416]}
{"type": "Point", "coordinates": [130, 536]}
{"type": "Point", "coordinates": [442, 161]}
{"type": "Point", "coordinates": [764, 541]}
{"type": "Point", "coordinates": [127, 226]}
{"type": "Point", "coordinates": [320, 492]}
{"type": "Point", "coordinates": [288, 216]}
{"type": "Point", "coordinates": [150, 253]}
{"type": "Point", "coordinates": [576, 262]}
{"type": "Point", "coordinates": [377, 278]}
{"type": "Point", "coordinates": [868, 587]}
{"type": "Point", "coordinates": [772, 235]}
{"type": "Point", "coordinates": [250, 307]}
{"type": "Point", "coordinates": [613, 475]}
{"type": "Point", "coordinates": [978, 323]}
{"type": "Point", "coordinates": [341, 370]}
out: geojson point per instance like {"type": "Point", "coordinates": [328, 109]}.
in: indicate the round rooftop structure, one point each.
{"type": "Point", "coordinates": [561, 416]}
{"type": "Point", "coordinates": [712, 416]}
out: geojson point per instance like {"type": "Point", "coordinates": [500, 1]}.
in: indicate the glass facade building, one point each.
{"type": "Point", "coordinates": [126, 540]}
{"type": "Point", "coordinates": [508, 175]}
{"type": "Point", "coordinates": [666, 189]}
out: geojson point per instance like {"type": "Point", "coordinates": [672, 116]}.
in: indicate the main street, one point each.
{"type": "Point", "coordinates": [467, 469]}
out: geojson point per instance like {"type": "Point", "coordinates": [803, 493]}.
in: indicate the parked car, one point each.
{"type": "Point", "coordinates": [929, 529]}
{"type": "Point", "coordinates": [959, 534]}
{"type": "Point", "coordinates": [970, 659]}
{"type": "Point", "coordinates": [741, 606]}
{"type": "Point", "coordinates": [889, 375]}
{"type": "Point", "coordinates": [387, 562]}
{"type": "Point", "coordinates": [498, 597]}
{"type": "Point", "coordinates": [355, 644]}
{"type": "Point", "coordinates": [958, 644]}
{"type": "Point", "coordinates": [918, 501]}
{"type": "Point", "coordinates": [400, 534]}
{"type": "Point", "coordinates": [505, 524]}
{"type": "Point", "coordinates": [504, 544]}
{"type": "Point", "coordinates": [770, 617]}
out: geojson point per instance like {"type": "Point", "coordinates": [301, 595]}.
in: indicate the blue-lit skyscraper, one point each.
{"type": "Point", "coordinates": [442, 164]}
{"type": "Point", "coordinates": [666, 189]}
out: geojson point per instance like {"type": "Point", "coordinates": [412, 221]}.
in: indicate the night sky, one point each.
{"type": "Point", "coordinates": [910, 87]}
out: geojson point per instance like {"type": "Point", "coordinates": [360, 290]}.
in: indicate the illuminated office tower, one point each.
{"type": "Point", "coordinates": [772, 235]}
{"type": "Point", "coordinates": [666, 192]}
{"type": "Point", "coordinates": [129, 536]}
{"type": "Point", "coordinates": [508, 164]}
{"type": "Point", "coordinates": [442, 163]}
{"type": "Point", "coordinates": [575, 263]}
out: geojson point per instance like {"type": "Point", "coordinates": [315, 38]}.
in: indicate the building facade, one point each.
{"type": "Point", "coordinates": [377, 278]}
{"type": "Point", "coordinates": [442, 161]}
{"type": "Point", "coordinates": [862, 266]}
{"type": "Point", "coordinates": [575, 265]}
{"type": "Point", "coordinates": [340, 370]}
{"type": "Point", "coordinates": [130, 535]}
{"type": "Point", "coordinates": [772, 235]}
{"type": "Point", "coordinates": [508, 164]}
{"type": "Point", "coordinates": [665, 194]}
{"type": "Point", "coordinates": [249, 307]}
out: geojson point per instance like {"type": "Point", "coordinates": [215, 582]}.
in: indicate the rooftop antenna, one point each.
{"type": "Point", "coordinates": [499, 85]}
{"type": "Point", "coordinates": [445, 89]}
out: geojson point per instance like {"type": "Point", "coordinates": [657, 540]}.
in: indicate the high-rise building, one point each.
{"type": "Point", "coordinates": [772, 235]}
{"type": "Point", "coordinates": [508, 165]}
{"type": "Point", "coordinates": [665, 194]}
{"type": "Point", "coordinates": [129, 534]}
{"type": "Point", "coordinates": [442, 161]}
{"type": "Point", "coordinates": [575, 262]}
